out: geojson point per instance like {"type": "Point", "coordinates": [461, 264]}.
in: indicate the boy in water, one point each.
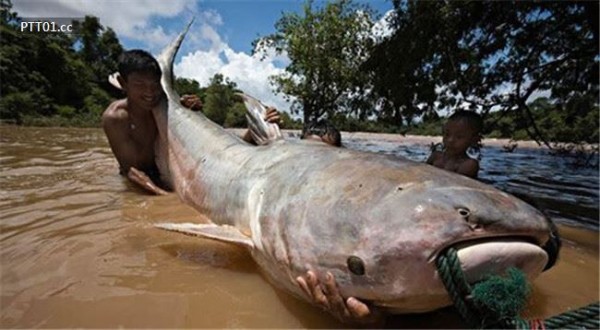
{"type": "Point", "coordinates": [129, 124]}
{"type": "Point", "coordinates": [461, 132]}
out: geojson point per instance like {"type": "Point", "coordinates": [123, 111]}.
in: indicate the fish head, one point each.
{"type": "Point", "coordinates": [385, 254]}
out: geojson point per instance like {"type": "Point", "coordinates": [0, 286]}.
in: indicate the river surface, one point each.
{"type": "Point", "coordinates": [77, 246]}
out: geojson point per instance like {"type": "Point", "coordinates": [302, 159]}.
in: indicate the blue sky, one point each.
{"type": "Point", "coordinates": [220, 41]}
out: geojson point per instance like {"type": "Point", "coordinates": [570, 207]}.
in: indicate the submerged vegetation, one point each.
{"type": "Point", "coordinates": [489, 57]}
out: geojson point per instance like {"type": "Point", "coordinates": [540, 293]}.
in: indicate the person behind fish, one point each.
{"type": "Point", "coordinates": [129, 124]}
{"type": "Point", "coordinates": [459, 151]}
{"type": "Point", "coordinates": [322, 131]}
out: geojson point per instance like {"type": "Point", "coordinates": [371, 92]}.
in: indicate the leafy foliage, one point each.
{"type": "Point", "coordinates": [489, 55]}
{"type": "Point", "coordinates": [61, 79]}
{"type": "Point", "coordinates": [44, 74]}
{"type": "Point", "coordinates": [326, 47]}
{"type": "Point", "coordinates": [189, 86]}
{"type": "Point", "coordinates": [219, 99]}
{"type": "Point", "coordinates": [556, 123]}
{"type": "Point", "coordinates": [492, 57]}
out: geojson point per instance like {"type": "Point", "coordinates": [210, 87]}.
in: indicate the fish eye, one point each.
{"type": "Point", "coordinates": [464, 212]}
{"type": "Point", "coordinates": [356, 265]}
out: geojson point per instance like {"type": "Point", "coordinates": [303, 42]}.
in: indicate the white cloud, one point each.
{"type": "Point", "coordinates": [136, 21]}
{"type": "Point", "coordinates": [130, 19]}
{"type": "Point", "coordinates": [249, 73]}
{"type": "Point", "coordinates": [212, 17]}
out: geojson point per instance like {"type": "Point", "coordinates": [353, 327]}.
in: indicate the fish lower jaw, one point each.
{"type": "Point", "coordinates": [479, 260]}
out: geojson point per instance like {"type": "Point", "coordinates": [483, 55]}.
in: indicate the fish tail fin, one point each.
{"type": "Point", "coordinates": [166, 59]}
{"type": "Point", "coordinates": [261, 131]}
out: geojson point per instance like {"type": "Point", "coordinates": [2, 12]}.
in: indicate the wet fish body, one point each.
{"type": "Point", "coordinates": [376, 222]}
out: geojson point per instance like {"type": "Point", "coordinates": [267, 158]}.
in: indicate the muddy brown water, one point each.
{"type": "Point", "coordinates": [77, 250]}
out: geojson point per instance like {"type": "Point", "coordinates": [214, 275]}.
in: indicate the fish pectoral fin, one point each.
{"type": "Point", "coordinates": [262, 132]}
{"type": "Point", "coordinates": [225, 233]}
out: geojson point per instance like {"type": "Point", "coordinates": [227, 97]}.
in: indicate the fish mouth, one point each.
{"type": "Point", "coordinates": [478, 260]}
{"type": "Point", "coordinates": [480, 240]}
{"type": "Point", "coordinates": [482, 258]}
{"type": "Point", "coordinates": [486, 256]}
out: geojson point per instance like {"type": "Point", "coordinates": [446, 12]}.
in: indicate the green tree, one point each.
{"type": "Point", "coordinates": [326, 47]}
{"type": "Point", "coordinates": [236, 116]}
{"type": "Point", "coordinates": [189, 86]}
{"type": "Point", "coordinates": [99, 48]}
{"type": "Point", "coordinates": [219, 98]}
{"type": "Point", "coordinates": [55, 75]}
{"type": "Point", "coordinates": [487, 55]}
{"type": "Point", "coordinates": [37, 70]}
{"type": "Point", "coordinates": [287, 122]}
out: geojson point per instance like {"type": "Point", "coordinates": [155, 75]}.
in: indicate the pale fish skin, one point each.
{"type": "Point", "coordinates": [299, 205]}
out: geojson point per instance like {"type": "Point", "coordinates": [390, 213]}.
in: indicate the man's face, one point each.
{"type": "Point", "coordinates": [143, 89]}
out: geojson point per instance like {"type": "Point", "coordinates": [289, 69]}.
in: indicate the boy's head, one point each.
{"type": "Point", "coordinates": [137, 60]}
{"type": "Point", "coordinates": [462, 130]}
{"type": "Point", "coordinates": [139, 77]}
{"type": "Point", "coordinates": [324, 131]}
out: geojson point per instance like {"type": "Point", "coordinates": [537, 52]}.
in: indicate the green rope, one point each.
{"type": "Point", "coordinates": [585, 317]}
{"type": "Point", "coordinates": [447, 267]}
{"type": "Point", "coordinates": [478, 315]}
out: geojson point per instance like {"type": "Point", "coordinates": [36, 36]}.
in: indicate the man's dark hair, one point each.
{"type": "Point", "coordinates": [471, 117]}
{"type": "Point", "coordinates": [137, 60]}
{"type": "Point", "coordinates": [323, 128]}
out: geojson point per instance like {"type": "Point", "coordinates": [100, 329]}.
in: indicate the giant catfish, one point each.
{"type": "Point", "coordinates": [376, 222]}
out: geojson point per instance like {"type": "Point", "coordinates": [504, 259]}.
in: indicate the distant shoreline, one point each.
{"type": "Point", "coordinates": [428, 140]}
{"type": "Point", "coordinates": [412, 139]}
{"type": "Point", "coordinates": [421, 139]}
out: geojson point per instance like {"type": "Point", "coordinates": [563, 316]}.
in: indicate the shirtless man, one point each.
{"type": "Point", "coordinates": [129, 124]}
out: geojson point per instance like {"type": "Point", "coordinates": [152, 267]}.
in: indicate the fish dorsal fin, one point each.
{"type": "Point", "coordinates": [224, 233]}
{"type": "Point", "coordinates": [262, 132]}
